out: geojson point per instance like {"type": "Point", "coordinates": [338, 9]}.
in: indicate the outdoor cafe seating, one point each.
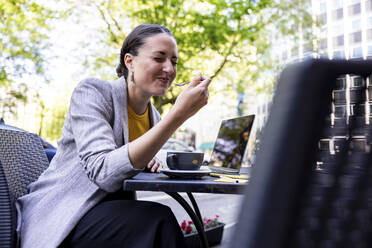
{"type": "Point", "coordinates": [310, 185]}
{"type": "Point", "coordinates": [22, 160]}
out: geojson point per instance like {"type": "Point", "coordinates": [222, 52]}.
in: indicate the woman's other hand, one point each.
{"type": "Point", "coordinates": [154, 165]}
{"type": "Point", "coordinates": [193, 97]}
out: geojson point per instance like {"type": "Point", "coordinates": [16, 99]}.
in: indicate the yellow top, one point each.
{"type": "Point", "coordinates": [137, 124]}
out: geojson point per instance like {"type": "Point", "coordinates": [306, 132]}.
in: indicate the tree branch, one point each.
{"type": "Point", "coordinates": [224, 61]}
{"type": "Point", "coordinates": [113, 36]}
{"type": "Point", "coordinates": [113, 19]}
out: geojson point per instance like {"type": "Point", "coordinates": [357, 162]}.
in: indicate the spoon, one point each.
{"type": "Point", "coordinates": [182, 84]}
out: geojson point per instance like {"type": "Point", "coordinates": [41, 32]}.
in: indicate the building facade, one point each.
{"type": "Point", "coordinates": [345, 28]}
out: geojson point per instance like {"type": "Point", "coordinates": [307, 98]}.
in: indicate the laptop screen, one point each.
{"type": "Point", "coordinates": [231, 142]}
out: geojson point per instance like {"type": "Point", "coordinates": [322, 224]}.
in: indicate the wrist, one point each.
{"type": "Point", "coordinates": [176, 116]}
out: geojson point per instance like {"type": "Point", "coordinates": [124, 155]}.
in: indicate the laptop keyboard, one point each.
{"type": "Point", "coordinates": [335, 209]}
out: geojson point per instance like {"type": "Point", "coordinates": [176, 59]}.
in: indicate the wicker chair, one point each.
{"type": "Point", "coordinates": [22, 160]}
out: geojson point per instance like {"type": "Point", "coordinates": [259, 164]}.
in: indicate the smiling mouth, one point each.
{"type": "Point", "coordinates": [164, 80]}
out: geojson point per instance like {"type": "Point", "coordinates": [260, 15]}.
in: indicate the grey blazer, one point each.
{"type": "Point", "coordinates": [91, 160]}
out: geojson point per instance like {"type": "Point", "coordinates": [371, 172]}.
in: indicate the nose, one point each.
{"type": "Point", "coordinates": [168, 66]}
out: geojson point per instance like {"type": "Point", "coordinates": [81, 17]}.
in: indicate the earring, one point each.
{"type": "Point", "coordinates": [132, 77]}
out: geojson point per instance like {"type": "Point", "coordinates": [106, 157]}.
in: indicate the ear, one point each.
{"type": "Point", "coordinates": [128, 60]}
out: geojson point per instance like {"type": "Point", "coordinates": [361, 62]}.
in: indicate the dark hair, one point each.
{"type": "Point", "coordinates": [135, 40]}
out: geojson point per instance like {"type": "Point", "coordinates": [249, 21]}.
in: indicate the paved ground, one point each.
{"type": "Point", "coordinates": [226, 206]}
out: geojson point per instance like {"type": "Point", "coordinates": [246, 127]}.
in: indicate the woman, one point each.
{"type": "Point", "coordinates": [111, 133]}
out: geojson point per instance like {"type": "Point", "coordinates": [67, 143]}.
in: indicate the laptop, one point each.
{"type": "Point", "coordinates": [230, 145]}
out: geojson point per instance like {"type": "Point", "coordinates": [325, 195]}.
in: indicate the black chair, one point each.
{"type": "Point", "coordinates": [300, 194]}
{"type": "Point", "coordinates": [22, 160]}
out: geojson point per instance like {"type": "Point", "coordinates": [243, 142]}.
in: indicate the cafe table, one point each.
{"type": "Point", "coordinates": [159, 182]}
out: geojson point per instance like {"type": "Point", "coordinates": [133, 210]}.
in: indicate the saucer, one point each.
{"type": "Point", "coordinates": [185, 174]}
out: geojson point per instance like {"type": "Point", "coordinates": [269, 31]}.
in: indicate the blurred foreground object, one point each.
{"type": "Point", "coordinates": [311, 184]}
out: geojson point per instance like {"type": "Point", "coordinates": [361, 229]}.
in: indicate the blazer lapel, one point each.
{"type": "Point", "coordinates": [120, 91]}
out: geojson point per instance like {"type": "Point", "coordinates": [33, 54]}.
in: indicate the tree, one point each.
{"type": "Point", "coordinates": [55, 119]}
{"type": "Point", "coordinates": [289, 22]}
{"type": "Point", "coordinates": [293, 19]}
{"type": "Point", "coordinates": [220, 38]}
{"type": "Point", "coordinates": [23, 32]}
{"type": "Point", "coordinates": [10, 98]}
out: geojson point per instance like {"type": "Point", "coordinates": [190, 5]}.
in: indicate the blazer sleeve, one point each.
{"type": "Point", "coordinates": [91, 111]}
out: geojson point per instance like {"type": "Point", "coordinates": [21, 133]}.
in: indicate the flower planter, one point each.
{"type": "Point", "coordinates": [214, 236]}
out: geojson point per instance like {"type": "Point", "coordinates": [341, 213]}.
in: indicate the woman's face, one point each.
{"type": "Point", "coordinates": [155, 66]}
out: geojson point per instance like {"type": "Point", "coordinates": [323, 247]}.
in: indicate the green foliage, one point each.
{"type": "Point", "coordinates": [54, 121]}
{"type": "Point", "coordinates": [51, 115]}
{"type": "Point", "coordinates": [10, 97]}
{"type": "Point", "coordinates": [213, 36]}
{"type": "Point", "coordinates": [23, 31]}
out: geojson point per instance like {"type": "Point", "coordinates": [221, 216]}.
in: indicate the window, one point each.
{"type": "Point", "coordinates": [323, 44]}
{"type": "Point", "coordinates": [323, 54]}
{"type": "Point", "coordinates": [369, 51]}
{"type": "Point", "coordinates": [322, 7]}
{"type": "Point", "coordinates": [338, 40]}
{"type": "Point", "coordinates": [323, 18]}
{"type": "Point", "coordinates": [369, 5]}
{"type": "Point", "coordinates": [369, 34]}
{"type": "Point", "coordinates": [354, 9]}
{"type": "Point", "coordinates": [337, 14]}
{"type": "Point", "coordinates": [338, 54]}
{"type": "Point", "coordinates": [369, 21]}
{"type": "Point", "coordinates": [308, 47]}
{"type": "Point", "coordinates": [323, 32]}
{"type": "Point", "coordinates": [356, 37]}
{"type": "Point", "coordinates": [284, 55]}
{"type": "Point", "coordinates": [357, 52]}
{"type": "Point", "coordinates": [357, 81]}
{"type": "Point", "coordinates": [337, 4]}
{"type": "Point", "coordinates": [355, 25]}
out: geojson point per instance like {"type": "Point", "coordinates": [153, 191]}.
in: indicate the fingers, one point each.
{"type": "Point", "coordinates": [196, 80]}
{"type": "Point", "coordinates": [204, 88]}
{"type": "Point", "coordinates": [150, 164]}
{"type": "Point", "coordinates": [156, 168]}
{"type": "Point", "coordinates": [154, 165]}
{"type": "Point", "coordinates": [205, 81]}
{"type": "Point", "coordinates": [201, 80]}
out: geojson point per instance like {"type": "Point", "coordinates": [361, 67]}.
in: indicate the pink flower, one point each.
{"type": "Point", "coordinates": [188, 229]}
{"type": "Point", "coordinates": [183, 225]}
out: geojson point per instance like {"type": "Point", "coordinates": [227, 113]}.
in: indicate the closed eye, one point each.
{"type": "Point", "coordinates": [160, 60]}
